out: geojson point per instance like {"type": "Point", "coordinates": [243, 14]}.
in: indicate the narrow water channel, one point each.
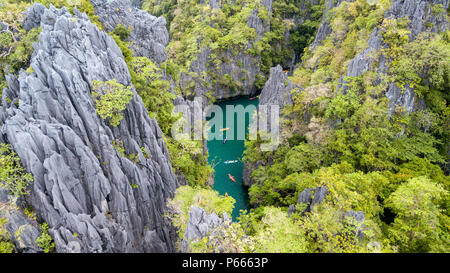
{"type": "Point", "coordinates": [227, 157]}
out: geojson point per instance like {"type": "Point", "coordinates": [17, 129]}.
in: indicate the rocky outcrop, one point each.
{"type": "Point", "coordinates": [276, 91]}
{"type": "Point", "coordinates": [309, 198]}
{"type": "Point", "coordinates": [33, 17]}
{"type": "Point", "coordinates": [247, 171]}
{"type": "Point", "coordinates": [421, 18]}
{"type": "Point", "coordinates": [199, 225]}
{"type": "Point", "coordinates": [242, 67]}
{"type": "Point", "coordinates": [93, 198]}
{"type": "Point", "coordinates": [148, 34]}
{"type": "Point", "coordinates": [356, 220]}
{"type": "Point", "coordinates": [325, 29]}
{"type": "Point", "coordinates": [312, 197]}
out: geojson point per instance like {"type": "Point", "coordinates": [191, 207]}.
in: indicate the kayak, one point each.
{"type": "Point", "coordinates": [232, 178]}
{"type": "Point", "coordinates": [253, 98]}
{"type": "Point", "coordinates": [224, 129]}
{"type": "Point", "coordinates": [225, 140]}
{"type": "Point", "coordinates": [230, 161]}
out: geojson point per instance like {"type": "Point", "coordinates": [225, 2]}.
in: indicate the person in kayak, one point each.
{"type": "Point", "coordinates": [232, 178]}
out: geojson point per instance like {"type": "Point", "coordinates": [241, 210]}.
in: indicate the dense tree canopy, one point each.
{"type": "Point", "coordinates": [384, 167]}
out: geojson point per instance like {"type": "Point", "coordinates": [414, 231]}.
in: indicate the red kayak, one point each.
{"type": "Point", "coordinates": [253, 98]}
{"type": "Point", "coordinates": [232, 178]}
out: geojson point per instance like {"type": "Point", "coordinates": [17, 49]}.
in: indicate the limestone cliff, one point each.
{"type": "Point", "coordinates": [94, 198]}
{"type": "Point", "coordinates": [148, 34]}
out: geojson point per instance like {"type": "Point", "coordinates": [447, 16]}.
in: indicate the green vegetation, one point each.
{"type": "Point", "coordinates": [16, 45]}
{"type": "Point", "coordinates": [391, 167]}
{"type": "Point", "coordinates": [111, 98]}
{"type": "Point", "coordinates": [419, 225]}
{"type": "Point", "coordinates": [12, 175]}
{"type": "Point", "coordinates": [340, 133]}
{"type": "Point", "coordinates": [45, 241]}
{"type": "Point", "coordinates": [207, 199]}
{"type": "Point", "coordinates": [118, 144]}
{"type": "Point", "coordinates": [82, 6]}
{"type": "Point", "coordinates": [6, 246]}
{"type": "Point", "coordinates": [122, 32]}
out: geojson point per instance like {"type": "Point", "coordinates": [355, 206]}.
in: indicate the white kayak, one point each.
{"type": "Point", "coordinates": [230, 161]}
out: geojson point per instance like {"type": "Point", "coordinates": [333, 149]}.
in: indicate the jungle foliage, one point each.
{"type": "Point", "coordinates": [342, 133]}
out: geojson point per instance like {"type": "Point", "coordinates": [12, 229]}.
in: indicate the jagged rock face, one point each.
{"type": "Point", "coordinates": [325, 29]}
{"type": "Point", "coordinates": [137, 3]}
{"type": "Point", "coordinates": [247, 171]}
{"type": "Point", "coordinates": [22, 230]}
{"type": "Point", "coordinates": [199, 225]}
{"type": "Point", "coordinates": [356, 220]}
{"type": "Point", "coordinates": [242, 67]}
{"type": "Point", "coordinates": [93, 199]}
{"type": "Point", "coordinates": [277, 90]}
{"type": "Point", "coordinates": [244, 73]}
{"type": "Point", "coordinates": [148, 34]}
{"type": "Point", "coordinates": [33, 17]}
{"type": "Point", "coordinates": [312, 197]}
{"type": "Point", "coordinates": [420, 15]}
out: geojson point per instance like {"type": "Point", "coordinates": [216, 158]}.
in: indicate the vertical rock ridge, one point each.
{"type": "Point", "coordinates": [93, 198]}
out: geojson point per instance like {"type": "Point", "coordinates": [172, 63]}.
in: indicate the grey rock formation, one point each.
{"type": "Point", "coordinates": [21, 230]}
{"type": "Point", "coordinates": [247, 170]}
{"type": "Point", "coordinates": [215, 4]}
{"type": "Point", "coordinates": [421, 17]}
{"type": "Point", "coordinates": [356, 220]}
{"type": "Point", "coordinates": [309, 197]}
{"type": "Point", "coordinates": [242, 67]}
{"type": "Point", "coordinates": [33, 16]}
{"type": "Point", "coordinates": [82, 184]}
{"type": "Point", "coordinates": [148, 34]}
{"type": "Point", "coordinates": [291, 210]}
{"type": "Point", "coordinates": [199, 225]}
{"type": "Point", "coordinates": [407, 98]}
{"type": "Point", "coordinates": [277, 90]}
{"type": "Point", "coordinates": [312, 197]}
{"type": "Point", "coordinates": [325, 29]}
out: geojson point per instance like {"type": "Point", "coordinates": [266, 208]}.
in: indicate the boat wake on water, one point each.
{"type": "Point", "coordinates": [231, 161]}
